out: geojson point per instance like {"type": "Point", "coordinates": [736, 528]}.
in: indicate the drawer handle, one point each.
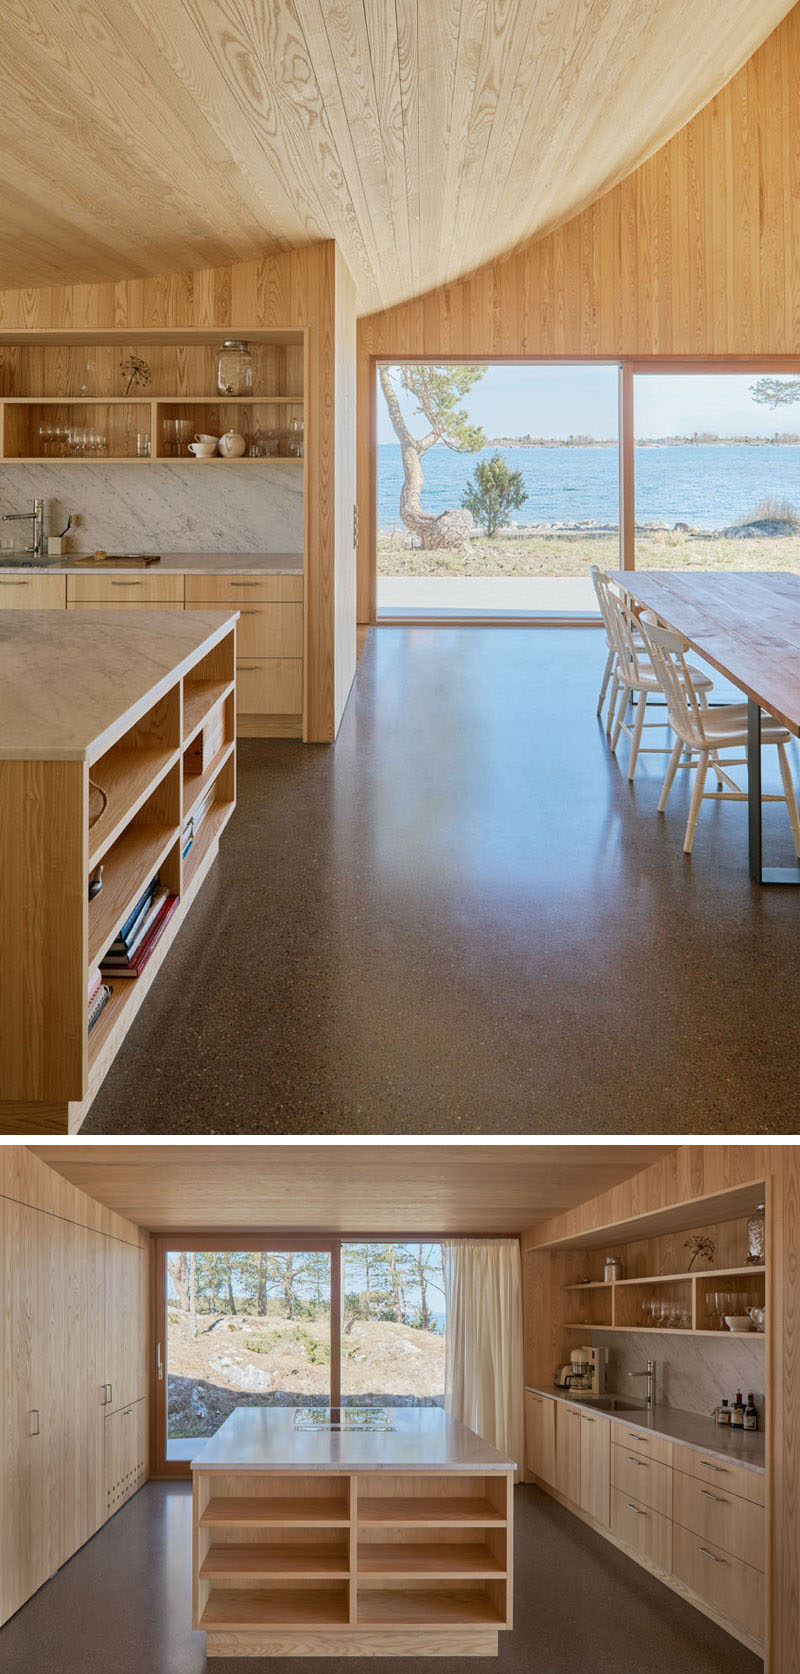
{"type": "Point", "coordinates": [243, 584]}
{"type": "Point", "coordinates": [587, 1419]}
{"type": "Point", "coordinates": [126, 584]}
{"type": "Point", "coordinates": [723, 1469]}
{"type": "Point", "coordinates": [35, 1414]}
{"type": "Point", "coordinates": [252, 612]}
{"type": "Point", "coordinates": [632, 1507]}
{"type": "Point", "coordinates": [633, 1435]}
{"type": "Point", "coordinates": [246, 668]}
{"type": "Point", "coordinates": [21, 583]}
{"type": "Point", "coordinates": [715, 1497]}
{"type": "Point", "coordinates": [711, 1555]}
{"type": "Point", "coordinates": [642, 1462]}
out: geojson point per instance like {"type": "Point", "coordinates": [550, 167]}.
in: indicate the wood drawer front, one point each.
{"type": "Point", "coordinates": [733, 1588]}
{"type": "Point", "coordinates": [638, 1441]}
{"type": "Point", "coordinates": [115, 589]}
{"type": "Point", "coordinates": [33, 592]}
{"type": "Point", "coordinates": [236, 589]}
{"type": "Point", "coordinates": [643, 1529]}
{"type": "Point", "coordinates": [272, 686]}
{"type": "Point", "coordinates": [736, 1525]}
{"type": "Point", "coordinates": [642, 1480]}
{"type": "Point", "coordinates": [271, 630]}
{"type": "Point", "coordinates": [119, 604]}
{"type": "Point", "coordinates": [735, 1479]}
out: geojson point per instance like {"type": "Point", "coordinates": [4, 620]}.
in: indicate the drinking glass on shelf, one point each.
{"type": "Point", "coordinates": [184, 431]}
{"type": "Point", "coordinates": [143, 444]}
{"type": "Point", "coordinates": [294, 446]}
{"type": "Point", "coordinates": [170, 439]}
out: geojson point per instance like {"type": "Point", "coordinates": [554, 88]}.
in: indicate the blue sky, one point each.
{"type": "Point", "coordinates": [564, 400]}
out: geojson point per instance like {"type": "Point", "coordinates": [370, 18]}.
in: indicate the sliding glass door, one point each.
{"type": "Point", "coordinates": [244, 1327]}
{"type": "Point", "coordinates": [393, 1324]}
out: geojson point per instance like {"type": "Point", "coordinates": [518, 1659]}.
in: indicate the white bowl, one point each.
{"type": "Point", "coordinates": [739, 1322]}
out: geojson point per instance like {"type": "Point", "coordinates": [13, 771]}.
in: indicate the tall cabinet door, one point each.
{"type": "Point", "coordinates": [126, 1320]}
{"type": "Point", "coordinates": [81, 1463]}
{"type": "Point", "coordinates": [28, 1499]}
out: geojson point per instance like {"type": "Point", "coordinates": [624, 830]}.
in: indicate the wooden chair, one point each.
{"type": "Point", "coordinates": [706, 731]}
{"type": "Point", "coordinates": [633, 671]}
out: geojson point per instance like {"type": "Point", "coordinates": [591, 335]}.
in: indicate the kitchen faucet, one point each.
{"type": "Point", "coordinates": [650, 1374]}
{"type": "Point", "coordinates": [36, 517]}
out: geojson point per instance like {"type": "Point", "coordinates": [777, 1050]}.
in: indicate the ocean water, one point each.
{"type": "Point", "coordinates": [708, 486]}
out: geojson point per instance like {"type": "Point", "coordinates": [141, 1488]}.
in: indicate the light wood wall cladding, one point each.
{"type": "Point", "coordinates": [306, 290]}
{"type": "Point", "coordinates": [696, 253]}
{"type": "Point", "coordinates": [424, 138]}
{"type": "Point", "coordinates": [24, 1178]}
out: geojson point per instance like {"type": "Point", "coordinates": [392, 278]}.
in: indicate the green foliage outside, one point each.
{"type": "Point", "coordinates": [493, 492]}
{"type": "Point", "coordinates": [439, 392]}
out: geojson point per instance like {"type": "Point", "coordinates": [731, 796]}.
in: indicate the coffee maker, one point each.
{"type": "Point", "coordinates": [597, 1365]}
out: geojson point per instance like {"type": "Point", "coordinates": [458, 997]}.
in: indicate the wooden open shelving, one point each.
{"type": "Point", "coordinates": [200, 699]}
{"type": "Point", "coordinates": [127, 869]}
{"type": "Point", "coordinates": [625, 1304]}
{"type": "Point", "coordinates": [49, 389]}
{"type": "Point", "coordinates": [352, 1554]}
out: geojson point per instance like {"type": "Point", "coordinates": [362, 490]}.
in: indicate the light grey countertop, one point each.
{"type": "Point", "coordinates": [175, 563]}
{"type": "Point", "coordinates": [689, 1429]}
{"type": "Point", "coordinates": [72, 681]}
{"type": "Point", "coordinates": [420, 1439]}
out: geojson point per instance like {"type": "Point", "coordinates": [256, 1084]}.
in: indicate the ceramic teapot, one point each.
{"type": "Point", "coordinates": [232, 445]}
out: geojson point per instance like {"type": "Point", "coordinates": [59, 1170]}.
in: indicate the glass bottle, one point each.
{"type": "Point", "coordinates": [234, 368]}
{"type": "Point", "coordinates": [756, 1235]}
{"type": "Point", "coordinates": [750, 1415]}
{"type": "Point", "coordinates": [723, 1414]}
{"type": "Point", "coordinates": [737, 1412]}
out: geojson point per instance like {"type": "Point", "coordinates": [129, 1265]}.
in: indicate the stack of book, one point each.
{"type": "Point", "coordinates": [142, 930]}
{"type": "Point", "coordinates": [99, 995]}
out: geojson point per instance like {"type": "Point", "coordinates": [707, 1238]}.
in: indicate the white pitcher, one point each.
{"type": "Point", "coordinates": [232, 445]}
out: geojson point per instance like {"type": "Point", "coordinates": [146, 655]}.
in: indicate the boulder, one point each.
{"type": "Point", "coordinates": [449, 530]}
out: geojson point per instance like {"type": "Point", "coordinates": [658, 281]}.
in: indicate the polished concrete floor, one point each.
{"type": "Point", "coordinates": [464, 919]}
{"type": "Point", "coordinates": [123, 1605]}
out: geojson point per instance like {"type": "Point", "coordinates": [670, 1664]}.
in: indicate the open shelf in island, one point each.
{"type": "Point", "coordinates": [123, 745]}
{"type": "Point", "coordinates": [374, 1556]}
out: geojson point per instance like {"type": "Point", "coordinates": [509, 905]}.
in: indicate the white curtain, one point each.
{"type": "Point", "coordinates": [483, 1381]}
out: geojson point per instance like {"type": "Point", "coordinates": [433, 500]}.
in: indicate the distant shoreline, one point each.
{"type": "Point", "coordinates": [785, 439]}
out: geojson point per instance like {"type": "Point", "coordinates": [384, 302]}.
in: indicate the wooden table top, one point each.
{"type": "Point", "coordinates": [746, 624]}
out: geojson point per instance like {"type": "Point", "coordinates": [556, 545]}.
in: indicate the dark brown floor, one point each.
{"type": "Point", "coordinates": [123, 1606]}
{"type": "Point", "coordinates": [462, 919]}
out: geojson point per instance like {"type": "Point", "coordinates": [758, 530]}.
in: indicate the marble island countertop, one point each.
{"type": "Point", "coordinates": [418, 1439]}
{"type": "Point", "coordinates": [173, 563]}
{"type": "Point", "coordinates": [71, 682]}
{"type": "Point", "coordinates": [689, 1429]}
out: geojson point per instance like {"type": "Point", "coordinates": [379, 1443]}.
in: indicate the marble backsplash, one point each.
{"type": "Point", "coordinates": [225, 507]}
{"type": "Point", "coordinates": [694, 1373]}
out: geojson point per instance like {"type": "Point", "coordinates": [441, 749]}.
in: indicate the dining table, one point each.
{"type": "Point", "coordinates": [746, 625]}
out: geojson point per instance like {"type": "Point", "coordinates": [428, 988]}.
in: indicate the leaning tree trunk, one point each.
{"type": "Point", "coordinates": [451, 527]}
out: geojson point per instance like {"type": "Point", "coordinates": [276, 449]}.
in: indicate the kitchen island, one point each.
{"type": "Point", "coordinates": [361, 1531]}
{"type": "Point", "coordinates": [117, 778]}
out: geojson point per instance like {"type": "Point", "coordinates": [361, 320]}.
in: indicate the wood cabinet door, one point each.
{"type": "Point", "coordinates": [596, 1467]}
{"type": "Point", "coordinates": [81, 1461]}
{"type": "Point", "coordinates": [126, 1450]}
{"type": "Point", "coordinates": [126, 1324]}
{"type": "Point", "coordinates": [541, 1436]}
{"type": "Point", "coordinates": [27, 1503]}
{"type": "Point", "coordinates": [568, 1452]}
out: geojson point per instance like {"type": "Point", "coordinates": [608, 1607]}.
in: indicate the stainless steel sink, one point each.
{"type": "Point", "coordinates": [612, 1403]}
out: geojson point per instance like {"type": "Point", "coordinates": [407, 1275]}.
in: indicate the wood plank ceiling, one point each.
{"type": "Point", "coordinates": [425, 136]}
{"type": "Point", "coordinates": [346, 1188]}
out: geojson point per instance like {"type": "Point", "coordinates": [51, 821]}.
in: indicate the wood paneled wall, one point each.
{"type": "Point", "coordinates": [26, 1179]}
{"type": "Point", "coordinates": [309, 290]}
{"type": "Point", "coordinates": [698, 1171]}
{"type": "Point", "coordinates": [697, 253]}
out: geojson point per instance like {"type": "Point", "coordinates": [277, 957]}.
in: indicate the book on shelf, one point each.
{"type": "Point", "coordinates": [121, 951]}
{"type": "Point", "coordinates": [95, 979]}
{"type": "Point", "coordinates": [135, 962]}
{"type": "Point", "coordinates": [98, 1001]}
{"type": "Point", "coordinates": [201, 809]}
{"type": "Point", "coordinates": [126, 934]}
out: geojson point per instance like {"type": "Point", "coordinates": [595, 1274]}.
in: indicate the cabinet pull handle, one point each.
{"type": "Point", "coordinates": [587, 1419]}
{"type": "Point", "coordinates": [243, 584]}
{"type": "Point", "coordinates": [246, 668]}
{"type": "Point", "coordinates": [642, 1462]}
{"type": "Point", "coordinates": [715, 1497]}
{"type": "Point", "coordinates": [711, 1555]}
{"type": "Point", "coordinates": [723, 1469]}
{"type": "Point", "coordinates": [110, 1388]}
{"type": "Point", "coordinates": [21, 583]}
{"type": "Point", "coordinates": [159, 1364]}
{"type": "Point", "coordinates": [126, 583]}
{"type": "Point", "coordinates": [35, 1414]}
{"type": "Point", "coordinates": [634, 1436]}
{"type": "Point", "coordinates": [632, 1507]}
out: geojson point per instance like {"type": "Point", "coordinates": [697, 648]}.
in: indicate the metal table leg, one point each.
{"type": "Point", "coordinates": [758, 872]}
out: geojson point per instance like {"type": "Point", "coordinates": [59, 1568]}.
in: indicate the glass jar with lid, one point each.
{"type": "Point", "coordinates": [756, 1235]}
{"type": "Point", "coordinates": [234, 368]}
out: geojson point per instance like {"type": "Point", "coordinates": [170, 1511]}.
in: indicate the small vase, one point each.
{"type": "Point", "coordinates": [756, 1236]}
